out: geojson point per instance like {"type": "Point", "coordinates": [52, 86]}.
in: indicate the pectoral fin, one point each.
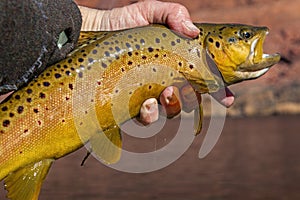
{"type": "Point", "coordinates": [198, 118]}
{"type": "Point", "coordinates": [26, 182]}
{"type": "Point", "coordinates": [107, 145]}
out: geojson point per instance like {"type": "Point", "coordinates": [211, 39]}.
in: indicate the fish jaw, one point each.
{"type": "Point", "coordinates": [237, 51]}
{"type": "Point", "coordinates": [258, 63]}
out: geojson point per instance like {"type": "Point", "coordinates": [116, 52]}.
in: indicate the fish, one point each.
{"type": "Point", "coordinates": [103, 82]}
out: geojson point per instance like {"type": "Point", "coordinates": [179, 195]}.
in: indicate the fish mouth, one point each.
{"type": "Point", "coordinates": [257, 63]}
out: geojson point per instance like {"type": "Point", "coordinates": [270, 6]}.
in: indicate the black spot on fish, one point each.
{"type": "Point", "coordinates": [20, 109]}
{"type": "Point", "coordinates": [217, 44]}
{"type": "Point", "coordinates": [129, 53]}
{"type": "Point", "coordinates": [220, 37]}
{"type": "Point", "coordinates": [122, 69]}
{"type": "Point", "coordinates": [29, 100]}
{"type": "Point", "coordinates": [48, 74]}
{"type": "Point", "coordinates": [80, 74]}
{"type": "Point", "coordinates": [94, 51]}
{"type": "Point", "coordinates": [46, 84]}
{"type": "Point", "coordinates": [130, 63]}
{"type": "Point", "coordinates": [91, 60]}
{"type": "Point", "coordinates": [154, 69]}
{"type": "Point", "coordinates": [70, 61]}
{"type": "Point", "coordinates": [156, 55]}
{"type": "Point", "coordinates": [68, 73]}
{"type": "Point", "coordinates": [103, 65]}
{"type": "Point", "coordinates": [150, 49]}
{"type": "Point", "coordinates": [57, 75]}
{"type": "Point", "coordinates": [117, 48]}
{"type": "Point", "coordinates": [4, 108]}
{"type": "Point", "coordinates": [106, 53]}
{"type": "Point", "coordinates": [137, 46]}
{"type": "Point", "coordinates": [106, 43]}
{"type": "Point", "coordinates": [142, 41]}
{"type": "Point", "coordinates": [157, 40]}
{"type": "Point", "coordinates": [178, 40]}
{"type": "Point", "coordinates": [17, 97]}
{"type": "Point", "coordinates": [144, 57]}
{"type": "Point", "coordinates": [11, 114]}
{"type": "Point", "coordinates": [171, 74]}
{"type": "Point", "coordinates": [191, 66]}
{"type": "Point", "coordinates": [71, 86]}
{"type": "Point", "coordinates": [25, 131]}
{"type": "Point", "coordinates": [6, 123]}
{"type": "Point", "coordinates": [212, 55]}
{"type": "Point", "coordinates": [210, 40]}
{"type": "Point", "coordinates": [67, 98]}
{"type": "Point", "coordinates": [117, 91]}
{"type": "Point", "coordinates": [39, 122]}
{"type": "Point", "coordinates": [173, 43]}
{"type": "Point", "coordinates": [128, 45]}
{"type": "Point", "coordinates": [150, 87]}
{"type": "Point", "coordinates": [29, 91]}
{"type": "Point", "coordinates": [58, 66]}
{"type": "Point", "coordinates": [42, 95]}
{"type": "Point", "coordinates": [221, 29]}
{"type": "Point", "coordinates": [180, 64]}
{"type": "Point", "coordinates": [130, 36]}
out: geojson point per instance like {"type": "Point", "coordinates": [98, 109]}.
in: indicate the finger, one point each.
{"type": "Point", "coordinates": [224, 96]}
{"type": "Point", "coordinates": [149, 112]}
{"type": "Point", "coordinates": [190, 98]}
{"type": "Point", "coordinates": [175, 15]}
{"type": "Point", "coordinates": [170, 101]}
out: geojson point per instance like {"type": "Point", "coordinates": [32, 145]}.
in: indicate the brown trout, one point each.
{"type": "Point", "coordinates": [107, 77]}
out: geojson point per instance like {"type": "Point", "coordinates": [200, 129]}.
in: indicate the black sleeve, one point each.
{"type": "Point", "coordinates": [29, 37]}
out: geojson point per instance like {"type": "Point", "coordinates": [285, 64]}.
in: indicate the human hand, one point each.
{"type": "Point", "coordinates": [141, 13]}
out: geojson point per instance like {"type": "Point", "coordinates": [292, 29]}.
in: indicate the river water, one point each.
{"type": "Point", "coordinates": [255, 158]}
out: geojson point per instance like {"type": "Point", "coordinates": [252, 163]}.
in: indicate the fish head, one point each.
{"type": "Point", "coordinates": [237, 51]}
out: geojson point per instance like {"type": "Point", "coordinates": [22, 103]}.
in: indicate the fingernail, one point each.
{"type": "Point", "coordinates": [189, 25]}
{"type": "Point", "coordinates": [149, 112]}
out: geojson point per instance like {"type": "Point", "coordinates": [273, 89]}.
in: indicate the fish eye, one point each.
{"type": "Point", "coordinates": [246, 34]}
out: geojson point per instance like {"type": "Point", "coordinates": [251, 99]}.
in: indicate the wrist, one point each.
{"type": "Point", "coordinates": [91, 18]}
